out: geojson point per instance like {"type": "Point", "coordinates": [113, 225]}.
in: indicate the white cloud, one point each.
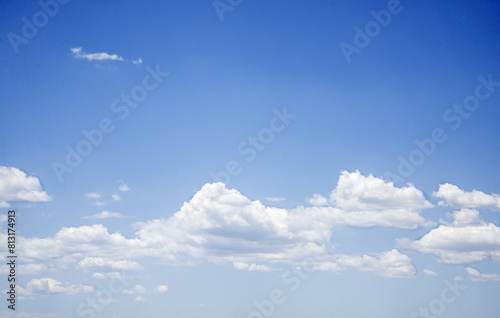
{"type": "Point", "coordinates": [161, 289]}
{"type": "Point", "coordinates": [98, 199]}
{"type": "Point", "coordinates": [138, 61]}
{"type": "Point", "coordinates": [317, 200]}
{"type": "Point", "coordinates": [101, 264]}
{"type": "Point", "coordinates": [429, 272]}
{"type": "Point", "coordinates": [52, 286]}
{"type": "Point", "coordinates": [105, 215]}
{"type": "Point", "coordinates": [127, 292]}
{"type": "Point", "coordinates": [111, 275]}
{"type": "Point", "coordinates": [391, 264]}
{"type": "Point", "coordinates": [15, 186]}
{"type": "Point", "coordinates": [221, 225]}
{"type": "Point", "coordinates": [476, 275]}
{"type": "Point", "coordinates": [356, 192]}
{"type": "Point", "coordinates": [77, 53]}
{"type": "Point", "coordinates": [93, 195]}
{"type": "Point", "coordinates": [250, 267]}
{"type": "Point", "coordinates": [71, 244]}
{"type": "Point", "coordinates": [467, 239]}
{"type": "Point", "coordinates": [275, 199]}
{"type": "Point", "coordinates": [123, 186]}
{"type": "Point", "coordinates": [140, 299]}
{"type": "Point", "coordinates": [458, 198]}
{"type": "Point", "coordinates": [139, 289]}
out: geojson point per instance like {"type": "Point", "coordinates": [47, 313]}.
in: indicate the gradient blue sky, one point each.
{"type": "Point", "coordinates": [353, 123]}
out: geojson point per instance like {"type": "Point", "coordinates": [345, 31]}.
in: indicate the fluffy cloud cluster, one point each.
{"type": "Point", "coordinates": [356, 192]}
{"type": "Point", "coordinates": [469, 238]}
{"type": "Point", "coordinates": [458, 198]}
{"type": "Point", "coordinates": [221, 225]}
{"type": "Point", "coordinates": [15, 185]}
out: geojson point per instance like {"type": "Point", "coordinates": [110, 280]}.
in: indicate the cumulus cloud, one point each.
{"type": "Point", "coordinates": [105, 215]}
{"type": "Point", "coordinates": [317, 200]}
{"type": "Point", "coordinates": [467, 239]}
{"type": "Point", "coordinates": [79, 54]}
{"type": "Point", "coordinates": [457, 198]}
{"type": "Point", "coordinates": [71, 244]}
{"type": "Point", "coordinates": [140, 289]}
{"type": "Point", "coordinates": [391, 264]}
{"type": "Point", "coordinates": [123, 186]}
{"type": "Point", "coordinates": [140, 299]}
{"type": "Point", "coordinates": [222, 225]}
{"type": "Point", "coordinates": [51, 286]}
{"type": "Point", "coordinates": [138, 61]}
{"type": "Point", "coordinates": [356, 192]}
{"type": "Point", "coordinates": [161, 289]}
{"type": "Point", "coordinates": [476, 275]}
{"type": "Point", "coordinates": [250, 267]}
{"type": "Point", "coordinates": [16, 186]}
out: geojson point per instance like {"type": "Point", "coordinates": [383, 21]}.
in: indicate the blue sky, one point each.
{"type": "Point", "coordinates": [232, 159]}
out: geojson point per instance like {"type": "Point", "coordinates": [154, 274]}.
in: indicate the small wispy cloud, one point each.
{"type": "Point", "coordinates": [93, 195]}
{"type": "Point", "coordinates": [98, 199]}
{"type": "Point", "coordinates": [99, 56]}
{"type": "Point", "coordinates": [476, 275]}
{"type": "Point", "coordinates": [79, 54]}
{"type": "Point", "coordinates": [161, 289]}
{"type": "Point", "coordinates": [429, 272]}
{"type": "Point", "coordinates": [250, 267]}
{"type": "Point", "coordinates": [105, 215]}
{"type": "Point", "coordinates": [123, 186]}
{"type": "Point", "coordinates": [116, 197]}
{"type": "Point", "coordinates": [275, 199]}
